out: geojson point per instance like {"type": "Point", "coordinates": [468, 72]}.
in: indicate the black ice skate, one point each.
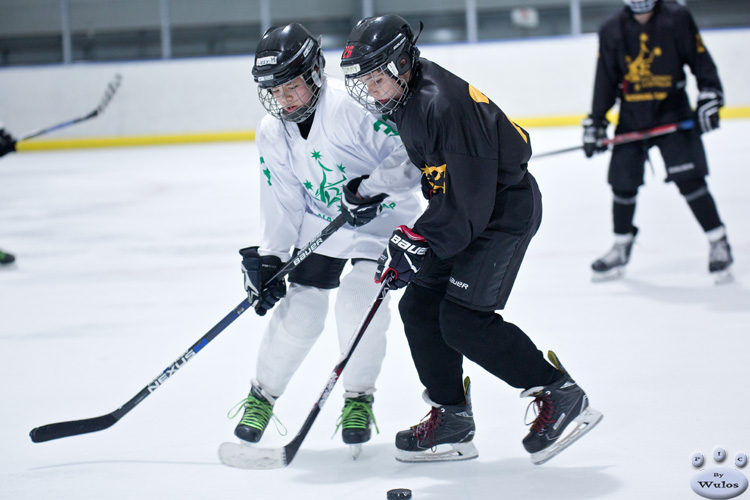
{"type": "Point", "coordinates": [612, 264]}
{"type": "Point", "coordinates": [445, 434]}
{"type": "Point", "coordinates": [356, 421]}
{"type": "Point", "coordinates": [258, 412]}
{"type": "Point", "coordinates": [559, 406]}
{"type": "Point", "coordinates": [720, 261]}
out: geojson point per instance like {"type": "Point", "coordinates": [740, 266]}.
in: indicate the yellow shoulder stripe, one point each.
{"type": "Point", "coordinates": [477, 95]}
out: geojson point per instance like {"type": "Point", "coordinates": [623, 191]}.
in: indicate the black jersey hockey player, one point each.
{"type": "Point", "coordinates": [643, 50]}
{"type": "Point", "coordinates": [461, 257]}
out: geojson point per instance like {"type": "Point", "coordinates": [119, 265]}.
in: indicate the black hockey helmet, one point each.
{"type": "Point", "coordinates": [379, 45]}
{"type": "Point", "coordinates": [283, 54]}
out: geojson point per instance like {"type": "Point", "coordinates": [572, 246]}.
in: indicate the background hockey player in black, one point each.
{"type": "Point", "coordinates": [643, 50]}
{"type": "Point", "coordinates": [7, 145]}
{"type": "Point", "coordinates": [464, 252]}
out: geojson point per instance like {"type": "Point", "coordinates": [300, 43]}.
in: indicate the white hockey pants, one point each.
{"type": "Point", "coordinates": [298, 320]}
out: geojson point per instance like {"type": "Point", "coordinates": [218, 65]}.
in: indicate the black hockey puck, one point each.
{"type": "Point", "coordinates": [399, 494]}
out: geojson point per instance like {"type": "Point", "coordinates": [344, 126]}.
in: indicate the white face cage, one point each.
{"type": "Point", "coordinates": [641, 6]}
{"type": "Point", "coordinates": [293, 101]}
{"type": "Point", "coordinates": [380, 91]}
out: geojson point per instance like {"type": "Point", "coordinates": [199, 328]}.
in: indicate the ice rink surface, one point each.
{"type": "Point", "coordinates": [126, 257]}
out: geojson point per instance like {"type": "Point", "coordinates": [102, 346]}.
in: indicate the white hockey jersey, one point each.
{"type": "Point", "coordinates": [302, 180]}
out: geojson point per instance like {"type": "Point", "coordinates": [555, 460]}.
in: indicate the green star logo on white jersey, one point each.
{"type": "Point", "coordinates": [327, 192]}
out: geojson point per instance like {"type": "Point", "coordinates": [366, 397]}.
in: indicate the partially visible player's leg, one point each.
{"type": "Point", "coordinates": [354, 298]}
{"type": "Point", "coordinates": [625, 176]}
{"type": "Point", "coordinates": [612, 264]}
{"type": "Point", "coordinates": [703, 206]}
{"type": "Point", "coordinates": [471, 326]}
{"type": "Point", "coordinates": [296, 323]}
{"type": "Point", "coordinates": [447, 431]}
{"type": "Point", "coordinates": [685, 160]}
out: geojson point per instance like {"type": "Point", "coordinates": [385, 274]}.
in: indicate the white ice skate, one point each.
{"type": "Point", "coordinates": [720, 261]}
{"type": "Point", "coordinates": [612, 265]}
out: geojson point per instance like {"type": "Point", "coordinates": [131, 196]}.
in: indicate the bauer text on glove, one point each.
{"type": "Point", "coordinates": [402, 257]}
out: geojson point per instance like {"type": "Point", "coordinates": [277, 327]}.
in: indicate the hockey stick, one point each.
{"type": "Point", "coordinates": [106, 98]}
{"type": "Point", "coordinates": [630, 137]}
{"type": "Point", "coordinates": [84, 426]}
{"type": "Point", "coordinates": [247, 457]}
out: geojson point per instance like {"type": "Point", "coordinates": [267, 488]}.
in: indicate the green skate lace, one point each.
{"type": "Point", "coordinates": [356, 415]}
{"type": "Point", "coordinates": [257, 414]}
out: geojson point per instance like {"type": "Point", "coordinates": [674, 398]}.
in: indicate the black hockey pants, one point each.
{"type": "Point", "coordinates": [440, 332]}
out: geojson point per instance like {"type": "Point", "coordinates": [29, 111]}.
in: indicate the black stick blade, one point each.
{"type": "Point", "coordinates": [73, 428]}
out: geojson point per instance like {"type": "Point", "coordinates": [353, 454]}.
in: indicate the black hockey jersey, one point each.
{"type": "Point", "coordinates": [643, 66]}
{"type": "Point", "coordinates": [467, 149]}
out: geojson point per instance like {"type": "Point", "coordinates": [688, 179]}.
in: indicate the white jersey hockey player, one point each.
{"type": "Point", "coordinates": [321, 154]}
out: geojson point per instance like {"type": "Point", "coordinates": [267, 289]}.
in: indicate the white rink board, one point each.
{"type": "Point", "coordinates": [530, 78]}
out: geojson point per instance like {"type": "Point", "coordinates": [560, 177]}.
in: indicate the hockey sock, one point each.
{"type": "Point", "coordinates": [439, 366]}
{"type": "Point", "coordinates": [353, 300]}
{"type": "Point", "coordinates": [701, 203]}
{"type": "Point", "coordinates": [623, 211]}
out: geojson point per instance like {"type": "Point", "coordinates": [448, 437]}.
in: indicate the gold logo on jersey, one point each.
{"type": "Point", "coordinates": [477, 95]}
{"type": "Point", "coordinates": [700, 48]}
{"type": "Point", "coordinates": [640, 81]}
{"type": "Point", "coordinates": [435, 177]}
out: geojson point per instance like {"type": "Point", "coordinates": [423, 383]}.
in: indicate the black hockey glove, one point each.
{"type": "Point", "coordinates": [359, 210]}
{"type": "Point", "coordinates": [594, 131]}
{"type": "Point", "coordinates": [707, 112]}
{"type": "Point", "coordinates": [403, 257]}
{"type": "Point", "coordinates": [257, 270]}
{"type": "Point", "coordinates": [7, 142]}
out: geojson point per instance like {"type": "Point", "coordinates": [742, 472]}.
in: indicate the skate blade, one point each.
{"type": "Point", "coordinates": [356, 450]}
{"type": "Point", "coordinates": [245, 456]}
{"type": "Point", "coordinates": [586, 421]}
{"type": "Point", "coordinates": [613, 274]}
{"type": "Point", "coordinates": [457, 452]}
{"type": "Point", "coordinates": [723, 277]}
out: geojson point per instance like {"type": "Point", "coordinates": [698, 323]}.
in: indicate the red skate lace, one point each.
{"type": "Point", "coordinates": [544, 408]}
{"type": "Point", "coordinates": [425, 430]}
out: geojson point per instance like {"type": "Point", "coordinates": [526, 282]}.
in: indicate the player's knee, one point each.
{"type": "Point", "coordinates": [302, 315]}
{"type": "Point", "coordinates": [625, 197]}
{"type": "Point", "coordinates": [419, 305]}
{"type": "Point", "coordinates": [692, 187]}
{"type": "Point", "coordinates": [460, 325]}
